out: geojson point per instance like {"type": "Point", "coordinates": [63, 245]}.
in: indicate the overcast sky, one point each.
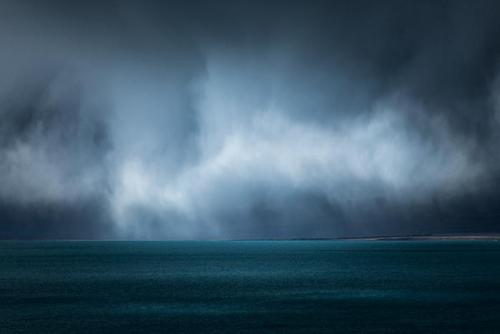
{"type": "Point", "coordinates": [248, 119]}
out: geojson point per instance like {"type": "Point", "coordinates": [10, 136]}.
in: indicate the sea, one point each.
{"type": "Point", "coordinates": [249, 287]}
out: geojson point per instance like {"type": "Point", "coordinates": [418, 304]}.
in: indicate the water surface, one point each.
{"type": "Point", "coordinates": [250, 287]}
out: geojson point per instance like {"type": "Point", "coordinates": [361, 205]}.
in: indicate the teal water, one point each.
{"type": "Point", "coordinates": [250, 287]}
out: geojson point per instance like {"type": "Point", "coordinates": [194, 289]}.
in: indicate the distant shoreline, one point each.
{"type": "Point", "coordinates": [437, 237]}
{"type": "Point", "coordinates": [432, 237]}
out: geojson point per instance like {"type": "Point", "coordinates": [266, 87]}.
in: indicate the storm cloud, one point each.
{"type": "Point", "coordinates": [248, 119]}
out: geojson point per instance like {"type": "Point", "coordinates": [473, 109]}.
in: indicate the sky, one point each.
{"type": "Point", "coordinates": [248, 119]}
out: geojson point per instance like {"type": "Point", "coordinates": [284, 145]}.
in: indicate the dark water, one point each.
{"type": "Point", "coordinates": [250, 287]}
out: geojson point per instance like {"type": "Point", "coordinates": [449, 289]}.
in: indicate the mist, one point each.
{"type": "Point", "coordinates": [244, 119]}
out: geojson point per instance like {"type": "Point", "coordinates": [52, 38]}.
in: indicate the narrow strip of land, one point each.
{"type": "Point", "coordinates": [494, 237]}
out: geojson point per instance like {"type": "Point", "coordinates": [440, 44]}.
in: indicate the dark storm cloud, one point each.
{"type": "Point", "coordinates": [245, 119]}
{"type": "Point", "coordinates": [52, 150]}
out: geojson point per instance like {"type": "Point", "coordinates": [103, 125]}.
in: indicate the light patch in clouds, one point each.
{"type": "Point", "coordinates": [272, 152]}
